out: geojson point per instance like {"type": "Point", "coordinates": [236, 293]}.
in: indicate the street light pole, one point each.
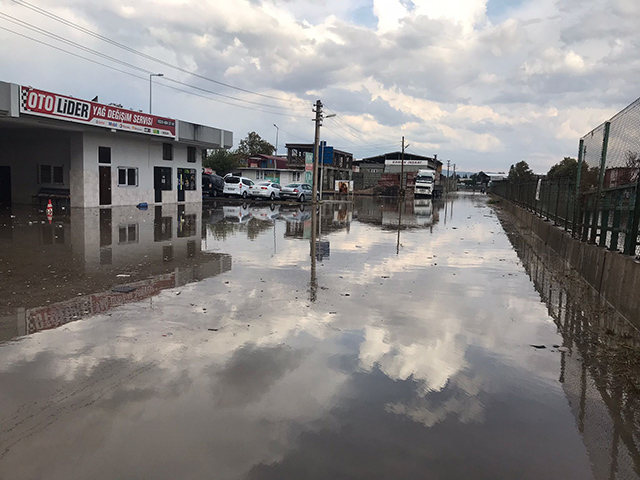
{"type": "Point", "coordinates": [151, 75]}
{"type": "Point", "coordinates": [277, 131]}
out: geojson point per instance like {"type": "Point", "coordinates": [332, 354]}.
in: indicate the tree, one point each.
{"type": "Point", "coordinates": [222, 161]}
{"type": "Point", "coordinates": [253, 144]}
{"type": "Point", "coordinates": [629, 173]}
{"type": "Point", "coordinates": [521, 173]}
{"type": "Point", "coordinates": [566, 169]}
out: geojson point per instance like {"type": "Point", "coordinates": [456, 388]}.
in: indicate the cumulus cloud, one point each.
{"type": "Point", "coordinates": [462, 76]}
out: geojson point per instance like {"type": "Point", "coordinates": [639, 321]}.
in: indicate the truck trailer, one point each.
{"type": "Point", "coordinates": [428, 184]}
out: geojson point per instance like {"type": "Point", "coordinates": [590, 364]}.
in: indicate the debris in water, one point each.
{"type": "Point", "coordinates": [213, 329]}
{"type": "Point", "coordinates": [122, 289]}
{"type": "Point", "coordinates": [538, 346]}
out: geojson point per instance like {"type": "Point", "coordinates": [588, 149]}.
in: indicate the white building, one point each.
{"type": "Point", "coordinates": [94, 155]}
{"type": "Point", "coordinates": [269, 167]}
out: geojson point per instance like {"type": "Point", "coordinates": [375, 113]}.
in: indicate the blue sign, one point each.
{"type": "Point", "coordinates": [326, 154]}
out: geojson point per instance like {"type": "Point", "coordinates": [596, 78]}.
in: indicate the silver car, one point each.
{"type": "Point", "coordinates": [297, 191]}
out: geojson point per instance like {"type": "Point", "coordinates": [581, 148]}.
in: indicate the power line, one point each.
{"type": "Point", "coordinates": [59, 38]}
{"type": "Point", "coordinates": [345, 122]}
{"type": "Point", "coordinates": [143, 78]}
{"type": "Point", "coordinates": [82, 29]}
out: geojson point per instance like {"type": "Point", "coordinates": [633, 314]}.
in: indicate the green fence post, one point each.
{"type": "Point", "coordinates": [635, 224]}
{"type": "Point", "coordinates": [615, 227]}
{"type": "Point", "coordinates": [555, 220]}
{"type": "Point", "coordinates": [567, 192]}
{"type": "Point", "coordinates": [604, 221]}
{"type": "Point", "coordinates": [603, 162]}
{"type": "Point", "coordinates": [576, 203]}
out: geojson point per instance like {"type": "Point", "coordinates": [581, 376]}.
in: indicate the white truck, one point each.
{"type": "Point", "coordinates": [428, 184]}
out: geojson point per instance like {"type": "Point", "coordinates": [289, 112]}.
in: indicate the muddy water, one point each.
{"type": "Point", "coordinates": [224, 342]}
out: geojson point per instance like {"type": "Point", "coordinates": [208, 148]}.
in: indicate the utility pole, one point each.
{"type": "Point", "coordinates": [448, 179]}
{"type": "Point", "coordinates": [316, 147]}
{"type": "Point", "coordinates": [316, 151]}
{"type": "Point", "coordinates": [455, 179]}
{"type": "Point", "coordinates": [402, 170]}
{"type": "Point", "coordinates": [277, 132]}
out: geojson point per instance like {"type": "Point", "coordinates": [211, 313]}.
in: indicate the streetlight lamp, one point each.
{"type": "Point", "coordinates": [150, 84]}
{"type": "Point", "coordinates": [277, 131]}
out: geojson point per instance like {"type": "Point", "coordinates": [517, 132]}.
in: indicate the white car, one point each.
{"type": "Point", "coordinates": [269, 213]}
{"type": "Point", "coordinates": [268, 190]}
{"type": "Point", "coordinates": [239, 186]}
{"type": "Point", "coordinates": [239, 214]}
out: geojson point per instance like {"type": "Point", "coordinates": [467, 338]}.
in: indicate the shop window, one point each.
{"type": "Point", "coordinates": [296, 176]}
{"type": "Point", "coordinates": [104, 154]}
{"type": "Point", "coordinates": [127, 177]}
{"type": "Point", "coordinates": [51, 174]}
{"type": "Point", "coordinates": [167, 151]}
{"type": "Point", "coordinates": [187, 178]}
{"type": "Point", "coordinates": [191, 154]}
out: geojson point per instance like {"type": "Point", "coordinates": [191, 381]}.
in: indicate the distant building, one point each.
{"type": "Point", "coordinates": [370, 170]}
{"type": "Point", "coordinates": [270, 167]}
{"type": "Point", "coordinates": [619, 176]}
{"type": "Point", "coordinates": [392, 162]}
{"type": "Point", "coordinates": [336, 164]}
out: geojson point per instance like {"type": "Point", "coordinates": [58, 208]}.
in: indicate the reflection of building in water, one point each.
{"type": "Point", "coordinates": [599, 372]}
{"type": "Point", "coordinates": [413, 213]}
{"type": "Point", "coordinates": [222, 220]}
{"type": "Point", "coordinates": [331, 217]}
{"type": "Point", "coordinates": [53, 271]}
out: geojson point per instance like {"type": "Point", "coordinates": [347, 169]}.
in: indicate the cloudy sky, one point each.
{"type": "Point", "coordinates": [483, 83]}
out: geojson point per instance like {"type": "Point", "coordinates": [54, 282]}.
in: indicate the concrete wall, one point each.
{"type": "Point", "coordinates": [24, 154]}
{"type": "Point", "coordinates": [615, 276]}
{"type": "Point", "coordinates": [9, 97]}
{"type": "Point", "coordinates": [217, 138]}
{"type": "Point", "coordinates": [137, 152]}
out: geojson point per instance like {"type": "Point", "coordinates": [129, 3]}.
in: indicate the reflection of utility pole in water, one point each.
{"type": "Point", "coordinates": [451, 210]}
{"type": "Point", "coordinates": [445, 211]}
{"type": "Point", "coordinates": [274, 237]}
{"type": "Point", "coordinates": [400, 207]}
{"type": "Point", "coordinates": [313, 282]}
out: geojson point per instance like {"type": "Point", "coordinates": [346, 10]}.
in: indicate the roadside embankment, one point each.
{"type": "Point", "coordinates": [613, 275]}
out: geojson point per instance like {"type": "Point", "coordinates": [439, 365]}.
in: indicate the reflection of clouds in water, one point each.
{"type": "Point", "coordinates": [429, 363]}
{"type": "Point", "coordinates": [463, 404]}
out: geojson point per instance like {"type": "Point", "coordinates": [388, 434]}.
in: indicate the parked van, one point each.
{"type": "Point", "coordinates": [237, 186]}
{"type": "Point", "coordinates": [212, 185]}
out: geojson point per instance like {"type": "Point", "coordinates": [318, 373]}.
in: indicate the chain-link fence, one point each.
{"type": "Point", "coordinates": [553, 200]}
{"type": "Point", "coordinates": [602, 204]}
{"type": "Point", "coordinates": [609, 164]}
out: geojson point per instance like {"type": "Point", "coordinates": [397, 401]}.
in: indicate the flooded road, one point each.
{"type": "Point", "coordinates": [223, 342]}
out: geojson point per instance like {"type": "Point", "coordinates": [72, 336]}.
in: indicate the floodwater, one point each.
{"type": "Point", "coordinates": [224, 342]}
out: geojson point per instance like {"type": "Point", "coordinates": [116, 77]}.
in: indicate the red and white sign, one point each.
{"type": "Point", "coordinates": [61, 107]}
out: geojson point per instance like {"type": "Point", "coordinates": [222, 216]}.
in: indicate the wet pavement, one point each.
{"type": "Point", "coordinates": [222, 342]}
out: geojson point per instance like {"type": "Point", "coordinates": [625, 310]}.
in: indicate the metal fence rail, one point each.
{"type": "Point", "coordinates": [607, 219]}
{"type": "Point", "coordinates": [601, 205]}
